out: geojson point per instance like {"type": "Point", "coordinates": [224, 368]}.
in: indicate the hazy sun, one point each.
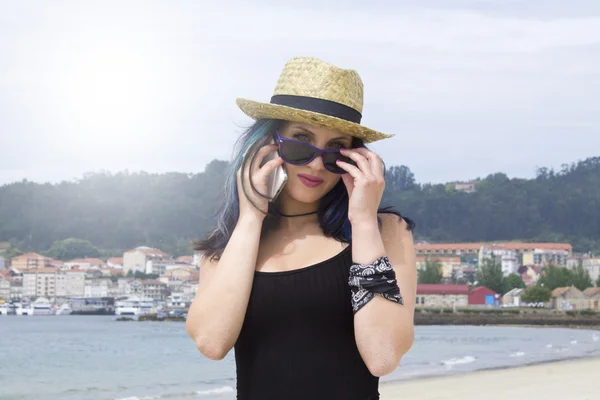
{"type": "Point", "coordinates": [106, 94]}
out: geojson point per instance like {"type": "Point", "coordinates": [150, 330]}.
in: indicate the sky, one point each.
{"type": "Point", "coordinates": [469, 88]}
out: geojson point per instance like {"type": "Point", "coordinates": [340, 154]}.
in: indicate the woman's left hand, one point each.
{"type": "Point", "coordinates": [365, 184]}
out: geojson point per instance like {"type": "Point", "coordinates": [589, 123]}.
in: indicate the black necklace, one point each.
{"type": "Point", "coordinates": [295, 215]}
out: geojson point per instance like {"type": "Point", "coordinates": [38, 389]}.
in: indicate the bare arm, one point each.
{"type": "Point", "coordinates": [217, 313]}
{"type": "Point", "coordinates": [385, 330]}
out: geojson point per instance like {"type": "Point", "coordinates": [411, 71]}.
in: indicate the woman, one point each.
{"type": "Point", "coordinates": [306, 288]}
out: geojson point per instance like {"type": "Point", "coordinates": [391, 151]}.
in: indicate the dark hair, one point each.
{"type": "Point", "coordinates": [333, 207]}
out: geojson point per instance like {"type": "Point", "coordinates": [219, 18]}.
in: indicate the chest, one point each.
{"type": "Point", "coordinates": [314, 296]}
{"type": "Point", "coordinates": [285, 256]}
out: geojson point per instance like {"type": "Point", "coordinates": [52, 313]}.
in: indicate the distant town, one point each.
{"type": "Point", "coordinates": [147, 280]}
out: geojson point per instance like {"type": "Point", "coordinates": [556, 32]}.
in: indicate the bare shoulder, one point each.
{"type": "Point", "coordinates": [398, 240]}
{"type": "Point", "coordinates": [394, 228]}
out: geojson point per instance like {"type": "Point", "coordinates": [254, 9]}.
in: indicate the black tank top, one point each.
{"type": "Point", "coordinates": [297, 341]}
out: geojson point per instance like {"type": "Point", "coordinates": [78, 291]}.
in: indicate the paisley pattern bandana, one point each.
{"type": "Point", "coordinates": [368, 280]}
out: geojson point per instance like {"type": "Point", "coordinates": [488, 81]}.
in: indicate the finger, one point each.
{"type": "Point", "coordinates": [261, 154]}
{"type": "Point", "coordinates": [374, 160]}
{"type": "Point", "coordinates": [350, 169]}
{"type": "Point", "coordinates": [349, 183]}
{"type": "Point", "coordinates": [360, 160]}
{"type": "Point", "coordinates": [269, 167]}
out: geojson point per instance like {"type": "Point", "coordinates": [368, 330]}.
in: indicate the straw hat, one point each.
{"type": "Point", "coordinates": [312, 91]}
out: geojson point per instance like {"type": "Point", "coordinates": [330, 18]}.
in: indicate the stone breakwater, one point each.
{"type": "Point", "coordinates": [475, 316]}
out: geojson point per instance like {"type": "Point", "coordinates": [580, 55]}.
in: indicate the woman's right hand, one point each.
{"type": "Point", "coordinates": [259, 179]}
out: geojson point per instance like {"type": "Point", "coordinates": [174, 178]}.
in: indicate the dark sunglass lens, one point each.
{"type": "Point", "coordinates": [296, 153]}
{"type": "Point", "coordinates": [329, 160]}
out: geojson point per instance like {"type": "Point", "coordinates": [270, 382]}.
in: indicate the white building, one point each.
{"type": "Point", "coordinates": [50, 282]}
{"type": "Point", "coordinates": [70, 284]}
{"type": "Point", "coordinates": [513, 297]}
{"type": "Point", "coordinates": [508, 258]}
{"type": "Point", "coordinates": [4, 288]}
{"type": "Point", "coordinates": [97, 287]}
{"type": "Point", "coordinates": [85, 263]}
{"type": "Point", "coordinates": [39, 282]}
{"type": "Point", "coordinates": [137, 259]}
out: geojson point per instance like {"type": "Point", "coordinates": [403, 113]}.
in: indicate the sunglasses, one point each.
{"type": "Point", "coordinates": [296, 152]}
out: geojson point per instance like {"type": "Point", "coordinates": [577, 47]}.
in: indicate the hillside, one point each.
{"type": "Point", "coordinates": [123, 210]}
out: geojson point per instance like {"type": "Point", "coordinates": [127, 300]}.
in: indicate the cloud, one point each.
{"type": "Point", "coordinates": [469, 87]}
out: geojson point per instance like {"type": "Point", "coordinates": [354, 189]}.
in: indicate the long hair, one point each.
{"type": "Point", "coordinates": [332, 212]}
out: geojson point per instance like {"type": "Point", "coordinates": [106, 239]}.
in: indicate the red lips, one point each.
{"type": "Point", "coordinates": [309, 180]}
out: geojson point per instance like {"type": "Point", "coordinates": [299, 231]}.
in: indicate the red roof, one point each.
{"type": "Point", "coordinates": [507, 245]}
{"type": "Point", "coordinates": [440, 257]}
{"type": "Point", "coordinates": [149, 251]}
{"type": "Point", "coordinates": [431, 288]}
{"type": "Point", "coordinates": [92, 261]}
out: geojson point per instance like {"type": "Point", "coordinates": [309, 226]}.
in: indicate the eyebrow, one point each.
{"type": "Point", "coordinates": [313, 134]}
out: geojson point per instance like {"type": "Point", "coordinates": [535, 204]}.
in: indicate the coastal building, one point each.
{"type": "Point", "coordinates": [442, 295]}
{"type": "Point", "coordinates": [85, 263]}
{"type": "Point", "coordinates": [448, 264]}
{"type": "Point", "coordinates": [472, 249]}
{"type": "Point", "coordinates": [149, 288]}
{"type": "Point", "coordinates": [154, 289]}
{"type": "Point", "coordinates": [468, 187]}
{"type": "Point", "coordinates": [137, 259]}
{"type": "Point", "coordinates": [115, 262]}
{"type": "Point", "coordinates": [569, 298]}
{"type": "Point", "coordinates": [70, 284]}
{"type": "Point", "coordinates": [546, 256]}
{"type": "Point", "coordinates": [507, 257]}
{"type": "Point", "coordinates": [97, 288]}
{"type": "Point", "coordinates": [51, 282]}
{"type": "Point", "coordinates": [189, 260]}
{"type": "Point", "coordinates": [5, 285]}
{"type": "Point", "coordinates": [530, 274]}
{"type": "Point", "coordinates": [513, 297]}
{"type": "Point", "coordinates": [593, 295]}
{"type": "Point", "coordinates": [30, 261]}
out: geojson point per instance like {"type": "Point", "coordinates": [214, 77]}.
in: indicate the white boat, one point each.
{"type": "Point", "coordinates": [133, 305]}
{"type": "Point", "coordinates": [21, 310]}
{"type": "Point", "coordinates": [64, 309]}
{"type": "Point", "coordinates": [4, 309]}
{"type": "Point", "coordinates": [42, 306]}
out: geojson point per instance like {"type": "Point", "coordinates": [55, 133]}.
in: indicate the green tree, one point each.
{"type": "Point", "coordinates": [172, 209]}
{"type": "Point", "coordinates": [490, 274]}
{"type": "Point", "coordinates": [513, 281]}
{"type": "Point", "coordinates": [431, 273]}
{"type": "Point", "coordinates": [536, 294]}
{"type": "Point", "coordinates": [598, 282]}
{"type": "Point", "coordinates": [554, 277]}
{"type": "Point", "coordinates": [143, 275]}
{"type": "Point", "coordinates": [581, 277]}
{"type": "Point", "coordinates": [11, 252]}
{"type": "Point", "coordinates": [71, 248]}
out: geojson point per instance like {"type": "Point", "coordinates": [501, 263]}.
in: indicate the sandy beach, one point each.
{"type": "Point", "coordinates": [573, 380]}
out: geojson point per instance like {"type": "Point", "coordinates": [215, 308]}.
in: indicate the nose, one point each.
{"type": "Point", "coordinates": [317, 164]}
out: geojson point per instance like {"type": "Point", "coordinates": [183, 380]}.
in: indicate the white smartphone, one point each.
{"type": "Point", "coordinates": [276, 179]}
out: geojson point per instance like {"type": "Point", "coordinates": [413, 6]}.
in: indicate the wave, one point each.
{"type": "Point", "coordinates": [220, 390]}
{"type": "Point", "coordinates": [518, 354]}
{"type": "Point", "coordinates": [458, 361]}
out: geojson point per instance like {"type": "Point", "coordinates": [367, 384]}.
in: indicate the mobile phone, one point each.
{"type": "Point", "coordinates": [277, 178]}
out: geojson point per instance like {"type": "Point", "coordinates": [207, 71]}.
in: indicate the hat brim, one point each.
{"type": "Point", "coordinates": [257, 110]}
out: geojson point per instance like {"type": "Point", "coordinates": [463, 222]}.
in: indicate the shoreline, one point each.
{"type": "Point", "coordinates": [572, 378]}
